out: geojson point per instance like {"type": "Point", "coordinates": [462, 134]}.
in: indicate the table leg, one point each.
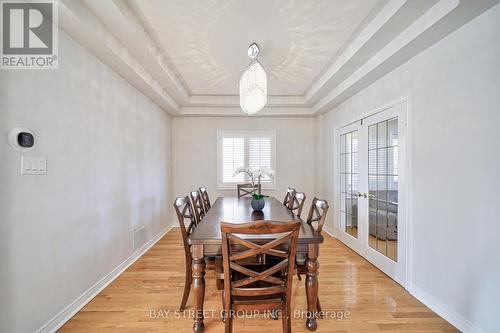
{"type": "Point", "coordinates": [312, 266]}
{"type": "Point", "coordinates": [198, 286]}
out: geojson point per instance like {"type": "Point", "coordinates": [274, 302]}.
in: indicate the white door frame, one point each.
{"type": "Point", "coordinates": [403, 190]}
{"type": "Point", "coordinates": [351, 241]}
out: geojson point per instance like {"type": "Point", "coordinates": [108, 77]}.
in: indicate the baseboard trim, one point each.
{"type": "Point", "coordinates": [432, 303]}
{"type": "Point", "coordinates": [62, 317]}
{"type": "Point", "coordinates": [329, 232]}
{"type": "Point", "coordinates": [444, 311]}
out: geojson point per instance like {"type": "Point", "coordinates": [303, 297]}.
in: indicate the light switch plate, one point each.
{"type": "Point", "coordinates": [33, 165]}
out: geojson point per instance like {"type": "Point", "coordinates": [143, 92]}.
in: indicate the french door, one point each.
{"type": "Point", "coordinates": [372, 186]}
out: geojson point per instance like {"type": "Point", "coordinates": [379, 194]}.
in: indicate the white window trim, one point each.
{"type": "Point", "coordinates": [245, 133]}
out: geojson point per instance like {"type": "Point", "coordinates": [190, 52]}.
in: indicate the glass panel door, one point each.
{"type": "Point", "coordinates": [371, 189]}
{"type": "Point", "coordinates": [351, 207]}
{"type": "Point", "coordinates": [383, 187]}
{"type": "Point", "coordinates": [349, 182]}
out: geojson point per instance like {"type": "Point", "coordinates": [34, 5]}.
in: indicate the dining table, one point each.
{"type": "Point", "coordinates": [206, 240]}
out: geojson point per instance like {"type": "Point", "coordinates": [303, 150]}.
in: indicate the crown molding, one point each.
{"type": "Point", "coordinates": [121, 21]}
{"type": "Point", "coordinates": [353, 55]}
{"type": "Point", "coordinates": [79, 22]}
{"type": "Point", "coordinates": [234, 100]}
{"type": "Point", "coordinates": [400, 30]}
{"type": "Point", "coordinates": [436, 23]}
{"type": "Point", "coordinates": [237, 112]}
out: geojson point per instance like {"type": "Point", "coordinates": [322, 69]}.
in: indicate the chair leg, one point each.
{"type": "Point", "coordinates": [318, 308]}
{"type": "Point", "coordinates": [284, 321]}
{"type": "Point", "coordinates": [229, 322]}
{"type": "Point", "coordinates": [298, 276]}
{"type": "Point", "coordinates": [288, 318]}
{"type": "Point", "coordinates": [187, 287]}
{"type": "Point", "coordinates": [224, 315]}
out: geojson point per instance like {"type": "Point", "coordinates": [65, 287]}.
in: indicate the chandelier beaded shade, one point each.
{"type": "Point", "coordinates": [253, 84]}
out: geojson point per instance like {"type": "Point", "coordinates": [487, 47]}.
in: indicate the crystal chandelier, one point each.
{"type": "Point", "coordinates": [253, 84]}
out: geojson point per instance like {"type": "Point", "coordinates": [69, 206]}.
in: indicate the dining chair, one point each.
{"type": "Point", "coordinates": [316, 219]}
{"type": "Point", "coordinates": [297, 203]}
{"type": "Point", "coordinates": [288, 197]}
{"type": "Point", "coordinates": [199, 210]}
{"type": "Point", "coordinates": [260, 288]}
{"type": "Point", "coordinates": [248, 189]}
{"type": "Point", "coordinates": [317, 214]}
{"type": "Point", "coordinates": [205, 199]}
{"type": "Point", "coordinates": [187, 223]}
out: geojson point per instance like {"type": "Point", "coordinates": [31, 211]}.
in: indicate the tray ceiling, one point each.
{"type": "Point", "coordinates": [206, 41]}
{"type": "Point", "coordinates": [188, 55]}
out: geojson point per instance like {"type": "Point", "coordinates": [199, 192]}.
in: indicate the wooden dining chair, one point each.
{"type": "Point", "coordinates": [260, 288]}
{"type": "Point", "coordinates": [297, 203]}
{"type": "Point", "coordinates": [248, 189]}
{"type": "Point", "coordinates": [288, 197]}
{"type": "Point", "coordinates": [316, 219]}
{"type": "Point", "coordinates": [187, 223]}
{"type": "Point", "coordinates": [199, 210]}
{"type": "Point", "coordinates": [317, 214]}
{"type": "Point", "coordinates": [205, 199]}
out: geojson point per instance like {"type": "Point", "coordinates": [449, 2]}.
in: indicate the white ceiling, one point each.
{"type": "Point", "coordinates": [188, 55]}
{"type": "Point", "coordinates": [206, 41]}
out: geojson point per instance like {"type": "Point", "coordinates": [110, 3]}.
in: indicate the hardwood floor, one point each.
{"type": "Point", "coordinates": [138, 300]}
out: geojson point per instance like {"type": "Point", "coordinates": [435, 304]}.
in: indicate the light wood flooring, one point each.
{"type": "Point", "coordinates": [348, 285]}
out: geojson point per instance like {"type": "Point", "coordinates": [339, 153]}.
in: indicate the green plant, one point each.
{"type": "Point", "coordinates": [259, 196]}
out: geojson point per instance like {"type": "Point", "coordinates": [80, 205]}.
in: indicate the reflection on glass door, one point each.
{"type": "Point", "coordinates": [349, 182]}
{"type": "Point", "coordinates": [383, 187]}
{"type": "Point", "coordinates": [371, 179]}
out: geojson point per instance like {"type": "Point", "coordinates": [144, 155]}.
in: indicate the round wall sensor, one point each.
{"type": "Point", "coordinates": [22, 139]}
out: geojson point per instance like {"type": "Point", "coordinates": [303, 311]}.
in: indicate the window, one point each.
{"type": "Point", "coordinates": [244, 149]}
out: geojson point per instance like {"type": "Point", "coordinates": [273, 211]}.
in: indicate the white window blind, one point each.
{"type": "Point", "coordinates": [244, 149]}
{"type": "Point", "coordinates": [233, 156]}
{"type": "Point", "coordinates": [260, 154]}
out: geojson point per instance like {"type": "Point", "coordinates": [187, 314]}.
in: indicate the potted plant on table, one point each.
{"type": "Point", "coordinates": [255, 175]}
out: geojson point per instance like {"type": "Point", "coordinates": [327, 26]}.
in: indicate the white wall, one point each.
{"type": "Point", "coordinates": [194, 149]}
{"type": "Point", "coordinates": [455, 161]}
{"type": "Point", "coordinates": [110, 166]}
{"type": "Point", "coordinates": [108, 151]}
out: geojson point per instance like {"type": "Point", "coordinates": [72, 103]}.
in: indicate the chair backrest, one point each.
{"type": "Point", "coordinates": [278, 239]}
{"type": "Point", "coordinates": [288, 197]}
{"type": "Point", "coordinates": [317, 214]}
{"type": "Point", "coordinates": [199, 211]}
{"type": "Point", "coordinates": [247, 189]}
{"type": "Point", "coordinates": [185, 214]}
{"type": "Point", "coordinates": [297, 203]}
{"type": "Point", "coordinates": [205, 199]}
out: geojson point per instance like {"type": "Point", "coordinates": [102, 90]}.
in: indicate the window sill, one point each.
{"type": "Point", "coordinates": [233, 188]}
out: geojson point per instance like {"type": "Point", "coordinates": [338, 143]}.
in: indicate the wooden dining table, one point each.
{"type": "Point", "coordinates": [206, 240]}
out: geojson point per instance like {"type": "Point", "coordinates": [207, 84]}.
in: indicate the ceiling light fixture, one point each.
{"type": "Point", "coordinates": [253, 84]}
